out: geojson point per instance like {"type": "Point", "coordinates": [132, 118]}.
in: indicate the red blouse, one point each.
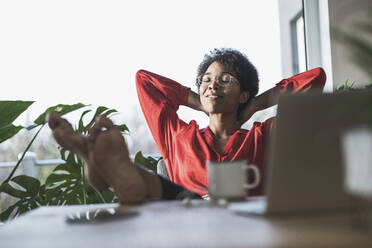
{"type": "Point", "coordinates": [186, 148]}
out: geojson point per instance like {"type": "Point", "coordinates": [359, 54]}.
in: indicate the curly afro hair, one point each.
{"type": "Point", "coordinates": [239, 66]}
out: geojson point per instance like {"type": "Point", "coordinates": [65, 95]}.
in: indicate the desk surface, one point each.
{"type": "Point", "coordinates": [173, 224]}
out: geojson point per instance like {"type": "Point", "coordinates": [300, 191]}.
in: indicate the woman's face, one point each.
{"type": "Point", "coordinates": [220, 90]}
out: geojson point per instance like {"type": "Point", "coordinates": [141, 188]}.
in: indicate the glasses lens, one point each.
{"type": "Point", "coordinates": [225, 78]}
{"type": "Point", "coordinates": [206, 78]}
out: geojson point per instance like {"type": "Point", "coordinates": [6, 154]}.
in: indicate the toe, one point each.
{"type": "Point", "coordinates": [102, 123]}
{"type": "Point", "coordinates": [53, 119]}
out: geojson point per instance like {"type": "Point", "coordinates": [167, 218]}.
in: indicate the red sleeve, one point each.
{"type": "Point", "coordinates": [309, 80]}
{"type": "Point", "coordinates": [160, 98]}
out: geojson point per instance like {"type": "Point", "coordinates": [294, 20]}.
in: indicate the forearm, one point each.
{"type": "Point", "coordinates": [193, 101]}
{"type": "Point", "coordinates": [260, 102]}
{"type": "Point", "coordinates": [266, 100]}
{"type": "Point", "coordinates": [311, 80]}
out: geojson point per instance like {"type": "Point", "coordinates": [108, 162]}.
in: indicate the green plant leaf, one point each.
{"type": "Point", "coordinates": [61, 109]}
{"type": "Point", "coordinates": [65, 185]}
{"type": "Point", "coordinates": [23, 205]}
{"type": "Point", "coordinates": [101, 110]}
{"type": "Point", "coordinates": [10, 190]}
{"type": "Point", "coordinates": [123, 128]}
{"type": "Point", "coordinates": [27, 189]}
{"type": "Point", "coordinates": [149, 162]}
{"type": "Point", "coordinates": [81, 127]}
{"type": "Point", "coordinates": [5, 214]}
{"type": "Point", "coordinates": [64, 189]}
{"type": "Point", "coordinates": [95, 196]}
{"type": "Point", "coordinates": [32, 185]}
{"type": "Point", "coordinates": [8, 131]}
{"type": "Point", "coordinates": [69, 167]}
{"type": "Point", "coordinates": [10, 110]}
{"type": "Point", "coordinates": [109, 112]}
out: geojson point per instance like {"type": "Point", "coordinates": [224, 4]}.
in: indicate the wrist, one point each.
{"type": "Point", "coordinates": [254, 105]}
{"type": "Point", "coordinates": [194, 101]}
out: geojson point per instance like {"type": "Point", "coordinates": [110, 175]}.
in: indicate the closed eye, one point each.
{"type": "Point", "coordinates": [206, 79]}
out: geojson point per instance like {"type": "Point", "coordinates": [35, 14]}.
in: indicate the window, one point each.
{"type": "Point", "coordinates": [298, 43]}
{"type": "Point", "coordinates": [89, 51]}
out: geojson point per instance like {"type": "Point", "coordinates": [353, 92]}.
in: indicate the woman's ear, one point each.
{"type": "Point", "coordinates": [244, 96]}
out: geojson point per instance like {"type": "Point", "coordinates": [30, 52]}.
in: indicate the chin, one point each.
{"type": "Point", "coordinates": [214, 111]}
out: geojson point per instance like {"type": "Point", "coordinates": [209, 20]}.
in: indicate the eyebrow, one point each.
{"type": "Point", "coordinates": [224, 72]}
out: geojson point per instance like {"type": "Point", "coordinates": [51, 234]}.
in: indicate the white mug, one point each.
{"type": "Point", "coordinates": [229, 179]}
{"type": "Point", "coordinates": [357, 146]}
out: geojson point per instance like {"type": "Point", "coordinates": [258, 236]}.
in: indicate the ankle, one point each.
{"type": "Point", "coordinates": [152, 181]}
{"type": "Point", "coordinates": [129, 187]}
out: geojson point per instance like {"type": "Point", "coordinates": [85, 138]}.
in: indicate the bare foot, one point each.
{"type": "Point", "coordinates": [107, 148]}
{"type": "Point", "coordinates": [107, 157]}
{"type": "Point", "coordinates": [66, 137]}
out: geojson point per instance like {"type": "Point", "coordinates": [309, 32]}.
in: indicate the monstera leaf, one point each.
{"type": "Point", "coordinates": [149, 162]}
{"type": "Point", "coordinates": [65, 184]}
{"type": "Point", "coordinates": [61, 109]}
{"type": "Point", "coordinates": [9, 111]}
{"type": "Point", "coordinates": [9, 131]}
{"type": "Point", "coordinates": [101, 110]}
{"type": "Point", "coordinates": [29, 192]}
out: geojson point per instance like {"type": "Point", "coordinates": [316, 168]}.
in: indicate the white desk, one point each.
{"type": "Point", "coordinates": [172, 224]}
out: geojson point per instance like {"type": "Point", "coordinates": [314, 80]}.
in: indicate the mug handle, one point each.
{"type": "Point", "coordinates": [256, 175]}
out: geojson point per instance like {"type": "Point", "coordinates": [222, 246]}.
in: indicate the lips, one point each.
{"type": "Point", "coordinates": [213, 96]}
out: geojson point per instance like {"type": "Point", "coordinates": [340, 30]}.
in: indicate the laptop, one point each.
{"type": "Point", "coordinates": [305, 166]}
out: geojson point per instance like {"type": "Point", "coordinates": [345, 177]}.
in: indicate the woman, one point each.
{"type": "Point", "coordinates": [227, 84]}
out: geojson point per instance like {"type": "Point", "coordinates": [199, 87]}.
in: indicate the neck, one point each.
{"type": "Point", "coordinates": [223, 125]}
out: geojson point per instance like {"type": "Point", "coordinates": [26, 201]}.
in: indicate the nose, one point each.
{"type": "Point", "coordinates": [214, 84]}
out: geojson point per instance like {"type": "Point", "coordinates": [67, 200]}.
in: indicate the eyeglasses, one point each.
{"type": "Point", "coordinates": [224, 79]}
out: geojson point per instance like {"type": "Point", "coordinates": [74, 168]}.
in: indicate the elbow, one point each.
{"type": "Point", "coordinates": [140, 76]}
{"type": "Point", "coordinates": [140, 73]}
{"type": "Point", "coordinates": [322, 75]}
